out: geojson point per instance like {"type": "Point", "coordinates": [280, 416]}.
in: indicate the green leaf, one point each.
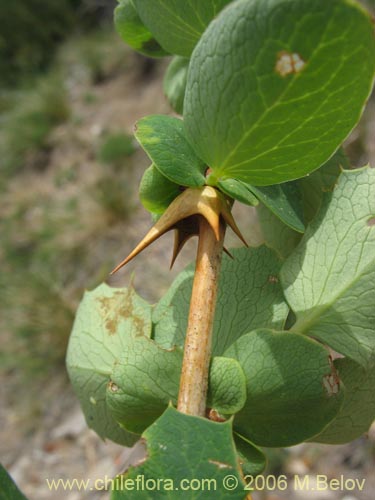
{"type": "Point", "coordinates": [8, 490]}
{"type": "Point", "coordinates": [163, 139]}
{"type": "Point", "coordinates": [253, 460]}
{"type": "Point", "coordinates": [144, 381]}
{"type": "Point", "coordinates": [292, 389]}
{"type": "Point", "coordinates": [175, 83]}
{"type": "Point", "coordinates": [277, 235]}
{"type": "Point", "coordinates": [178, 24]}
{"type": "Point", "coordinates": [358, 411]}
{"type": "Point", "coordinates": [249, 297]}
{"type": "Point", "coordinates": [183, 450]}
{"type": "Point", "coordinates": [227, 386]}
{"type": "Point", "coordinates": [131, 29]}
{"type": "Point", "coordinates": [321, 181]}
{"type": "Point", "coordinates": [284, 201]}
{"type": "Point", "coordinates": [156, 192]}
{"type": "Point", "coordinates": [250, 120]}
{"type": "Point", "coordinates": [329, 280]}
{"type": "Point", "coordinates": [105, 323]}
{"type": "Point", "coordinates": [239, 191]}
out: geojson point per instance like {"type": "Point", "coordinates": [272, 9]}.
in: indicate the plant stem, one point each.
{"type": "Point", "coordinates": [197, 353]}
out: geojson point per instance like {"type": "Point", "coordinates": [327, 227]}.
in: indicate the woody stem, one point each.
{"type": "Point", "coordinates": [197, 353]}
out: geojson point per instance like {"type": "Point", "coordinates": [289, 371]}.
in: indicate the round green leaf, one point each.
{"type": "Point", "coordinates": [163, 138]}
{"type": "Point", "coordinates": [358, 411]}
{"type": "Point", "coordinates": [274, 87]}
{"type": "Point", "coordinates": [227, 386]}
{"type": "Point", "coordinates": [293, 391]}
{"type": "Point", "coordinates": [131, 29]}
{"type": "Point", "coordinates": [178, 24]}
{"type": "Point", "coordinates": [329, 279]}
{"type": "Point", "coordinates": [106, 321]}
{"type": "Point", "coordinates": [143, 382]}
{"type": "Point", "coordinates": [156, 192]}
{"type": "Point", "coordinates": [175, 83]}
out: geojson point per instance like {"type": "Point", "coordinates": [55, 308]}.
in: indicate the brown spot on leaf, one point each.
{"type": "Point", "coordinates": [117, 307]}
{"type": "Point", "coordinates": [371, 222]}
{"type": "Point", "coordinates": [214, 415]}
{"type": "Point", "coordinates": [112, 386]}
{"type": "Point", "coordinates": [331, 382]}
{"type": "Point", "coordinates": [273, 279]}
{"type": "Point", "coordinates": [288, 63]}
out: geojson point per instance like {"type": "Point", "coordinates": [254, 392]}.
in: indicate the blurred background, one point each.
{"type": "Point", "coordinates": [70, 93]}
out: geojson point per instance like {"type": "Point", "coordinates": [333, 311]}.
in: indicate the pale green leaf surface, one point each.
{"type": "Point", "coordinates": [178, 24]}
{"type": "Point", "coordinates": [144, 381]}
{"type": "Point", "coordinates": [321, 181]}
{"type": "Point", "coordinates": [358, 411]}
{"type": "Point", "coordinates": [292, 391]}
{"type": "Point", "coordinates": [163, 139]}
{"type": "Point", "coordinates": [329, 280]}
{"type": "Point", "coordinates": [277, 235]}
{"type": "Point", "coordinates": [249, 297]}
{"type": "Point", "coordinates": [185, 448]}
{"type": "Point", "coordinates": [227, 386]}
{"type": "Point", "coordinates": [248, 121]}
{"type": "Point", "coordinates": [156, 192]}
{"type": "Point", "coordinates": [175, 83]}
{"type": "Point", "coordinates": [106, 321]}
{"type": "Point", "coordinates": [131, 29]}
{"type": "Point", "coordinates": [284, 201]}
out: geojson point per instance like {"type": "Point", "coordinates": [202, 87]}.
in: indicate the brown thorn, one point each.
{"type": "Point", "coordinates": [228, 253]}
{"type": "Point", "coordinates": [228, 217]}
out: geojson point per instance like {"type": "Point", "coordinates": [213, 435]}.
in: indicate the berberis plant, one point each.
{"type": "Point", "coordinates": [268, 91]}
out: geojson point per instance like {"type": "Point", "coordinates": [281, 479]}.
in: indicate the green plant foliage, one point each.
{"type": "Point", "coordinates": [156, 192]}
{"type": "Point", "coordinates": [200, 449]}
{"type": "Point", "coordinates": [284, 201]}
{"type": "Point", "coordinates": [328, 280]}
{"type": "Point", "coordinates": [163, 139]}
{"type": "Point", "coordinates": [253, 460]}
{"type": "Point", "coordinates": [292, 390]}
{"type": "Point", "coordinates": [28, 124]}
{"type": "Point", "coordinates": [106, 321]}
{"type": "Point", "coordinates": [143, 382]}
{"type": "Point", "coordinates": [239, 191]}
{"type": "Point", "coordinates": [8, 490]}
{"type": "Point", "coordinates": [175, 80]}
{"type": "Point", "coordinates": [277, 233]}
{"type": "Point", "coordinates": [30, 30]}
{"type": "Point", "coordinates": [131, 29]}
{"type": "Point", "coordinates": [176, 24]}
{"type": "Point", "coordinates": [227, 386]}
{"type": "Point", "coordinates": [323, 180]}
{"type": "Point", "coordinates": [116, 148]}
{"type": "Point", "coordinates": [249, 297]}
{"type": "Point", "coordinates": [288, 118]}
{"type": "Point", "coordinates": [357, 413]}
